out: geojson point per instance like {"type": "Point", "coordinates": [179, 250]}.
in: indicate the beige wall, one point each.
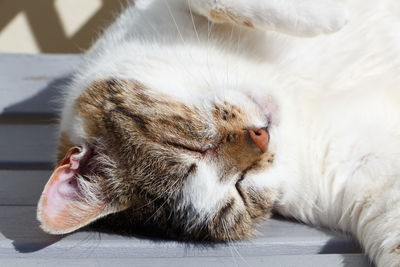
{"type": "Point", "coordinates": [53, 26]}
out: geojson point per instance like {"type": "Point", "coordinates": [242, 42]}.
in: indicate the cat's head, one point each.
{"type": "Point", "coordinates": [194, 170]}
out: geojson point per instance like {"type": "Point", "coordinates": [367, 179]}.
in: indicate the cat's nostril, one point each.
{"type": "Point", "coordinates": [260, 138]}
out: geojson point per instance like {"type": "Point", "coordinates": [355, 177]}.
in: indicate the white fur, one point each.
{"type": "Point", "coordinates": [337, 136]}
{"type": "Point", "coordinates": [306, 17]}
{"type": "Point", "coordinates": [204, 192]}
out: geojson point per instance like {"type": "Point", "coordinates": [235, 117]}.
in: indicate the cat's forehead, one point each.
{"type": "Point", "coordinates": [197, 104]}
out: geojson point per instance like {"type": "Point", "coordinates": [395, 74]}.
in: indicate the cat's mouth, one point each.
{"type": "Point", "coordinates": [240, 191]}
{"type": "Point", "coordinates": [242, 176]}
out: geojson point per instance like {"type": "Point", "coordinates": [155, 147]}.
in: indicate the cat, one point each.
{"type": "Point", "coordinates": [204, 117]}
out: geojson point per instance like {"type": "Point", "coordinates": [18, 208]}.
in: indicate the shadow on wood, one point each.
{"type": "Point", "coordinates": [20, 226]}
{"type": "Point", "coordinates": [351, 247]}
{"type": "Point", "coordinates": [49, 97]}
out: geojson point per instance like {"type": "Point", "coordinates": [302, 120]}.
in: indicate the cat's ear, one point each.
{"type": "Point", "coordinates": [64, 205]}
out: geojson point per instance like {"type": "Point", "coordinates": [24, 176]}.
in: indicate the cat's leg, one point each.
{"type": "Point", "coordinates": [297, 17]}
{"type": "Point", "coordinates": [367, 206]}
{"type": "Point", "coordinates": [375, 220]}
{"type": "Point", "coordinates": [362, 199]}
{"type": "Point", "coordinates": [376, 223]}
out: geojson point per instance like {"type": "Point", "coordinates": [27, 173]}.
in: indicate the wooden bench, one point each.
{"type": "Point", "coordinates": [29, 87]}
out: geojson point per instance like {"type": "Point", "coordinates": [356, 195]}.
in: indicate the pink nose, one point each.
{"type": "Point", "coordinates": [260, 138]}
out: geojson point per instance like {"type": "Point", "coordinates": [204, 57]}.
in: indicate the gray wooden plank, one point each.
{"type": "Point", "coordinates": [29, 84]}
{"type": "Point", "coordinates": [21, 144]}
{"type": "Point", "coordinates": [21, 236]}
{"type": "Point", "coordinates": [334, 260]}
{"type": "Point", "coordinates": [25, 187]}
{"type": "Point", "coordinates": [22, 187]}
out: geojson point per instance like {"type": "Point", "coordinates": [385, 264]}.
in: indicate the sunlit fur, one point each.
{"type": "Point", "coordinates": [164, 78]}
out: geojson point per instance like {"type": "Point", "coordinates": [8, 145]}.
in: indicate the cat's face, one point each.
{"type": "Point", "coordinates": [193, 170]}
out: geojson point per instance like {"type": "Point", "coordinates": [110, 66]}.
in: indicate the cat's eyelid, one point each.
{"type": "Point", "coordinates": [185, 146]}
{"type": "Point", "coordinates": [199, 150]}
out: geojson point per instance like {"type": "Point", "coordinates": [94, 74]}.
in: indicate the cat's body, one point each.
{"type": "Point", "coordinates": [331, 105]}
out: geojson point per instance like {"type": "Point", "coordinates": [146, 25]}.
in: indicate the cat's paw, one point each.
{"type": "Point", "coordinates": [295, 17]}
{"type": "Point", "coordinates": [323, 18]}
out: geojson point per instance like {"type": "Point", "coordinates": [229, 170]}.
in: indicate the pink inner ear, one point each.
{"type": "Point", "coordinates": [62, 190]}
{"type": "Point", "coordinates": [63, 207]}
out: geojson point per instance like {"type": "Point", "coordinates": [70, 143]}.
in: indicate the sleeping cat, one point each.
{"type": "Point", "coordinates": [202, 117]}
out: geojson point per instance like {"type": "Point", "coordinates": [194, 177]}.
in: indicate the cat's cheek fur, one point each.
{"type": "Point", "coordinates": [204, 191]}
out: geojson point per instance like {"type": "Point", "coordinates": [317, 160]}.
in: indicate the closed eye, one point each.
{"type": "Point", "coordinates": [187, 147]}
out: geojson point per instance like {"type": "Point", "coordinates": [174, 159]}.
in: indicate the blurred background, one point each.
{"type": "Point", "coordinates": [53, 26]}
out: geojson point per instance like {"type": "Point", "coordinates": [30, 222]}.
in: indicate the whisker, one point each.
{"type": "Point", "coordinates": [145, 18]}
{"type": "Point", "coordinates": [153, 200]}
{"type": "Point", "coordinates": [229, 241]}
{"type": "Point", "coordinates": [159, 208]}
{"type": "Point", "coordinates": [241, 257]}
{"type": "Point", "coordinates": [174, 20]}
{"type": "Point", "coordinates": [233, 245]}
{"type": "Point", "coordinates": [194, 25]}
